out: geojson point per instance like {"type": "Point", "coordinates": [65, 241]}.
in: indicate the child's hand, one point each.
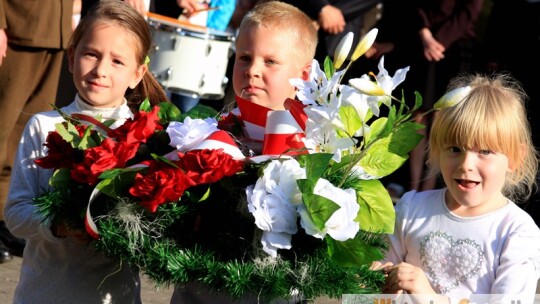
{"type": "Point", "coordinates": [378, 265]}
{"type": "Point", "coordinates": [409, 278]}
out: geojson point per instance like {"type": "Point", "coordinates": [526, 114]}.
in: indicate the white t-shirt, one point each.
{"type": "Point", "coordinates": [495, 253]}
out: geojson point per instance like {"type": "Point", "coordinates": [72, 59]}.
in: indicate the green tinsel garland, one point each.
{"type": "Point", "coordinates": [166, 262]}
{"type": "Point", "coordinates": [215, 243]}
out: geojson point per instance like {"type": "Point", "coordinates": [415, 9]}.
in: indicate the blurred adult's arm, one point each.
{"type": "Point", "coordinates": [3, 36]}
{"type": "Point", "coordinates": [459, 23]}
{"type": "Point", "coordinates": [331, 19]}
{"type": "Point", "coordinates": [3, 45]}
{"type": "Point", "coordinates": [188, 6]}
{"type": "Point", "coordinates": [433, 49]}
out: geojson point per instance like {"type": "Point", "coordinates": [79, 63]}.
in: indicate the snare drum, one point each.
{"type": "Point", "coordinates": [190, 61]}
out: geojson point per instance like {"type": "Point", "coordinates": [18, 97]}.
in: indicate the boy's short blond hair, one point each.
{"type": "Point", "coordinates": [492, 116]}
{"type": "Point", "coordinates": [290, 20]}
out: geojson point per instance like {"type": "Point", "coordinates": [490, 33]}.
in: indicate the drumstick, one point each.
{"type": "Point", "coordinates": [176, 21]}
{"type": "Point", "coordinates": [206, 9]}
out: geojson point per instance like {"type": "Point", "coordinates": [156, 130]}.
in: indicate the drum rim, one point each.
{"type": "Point", "coordinates": [209, 34]}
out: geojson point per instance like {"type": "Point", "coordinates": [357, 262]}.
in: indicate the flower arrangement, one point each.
{"type": "Point", "coordinates": [175, 195]}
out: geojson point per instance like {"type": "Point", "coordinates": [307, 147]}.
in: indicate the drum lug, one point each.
{"type": "Point", "coordinates": [168, 73]}
{"type": "Point", "coordinates": [208, 50]}
{"type": "Point", "coordinates": [173, 44]}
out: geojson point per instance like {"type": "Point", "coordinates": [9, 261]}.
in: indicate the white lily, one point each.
{"type": "Point", "coordinates": [381, 90]}
{"type": "Point", "coordinates": [362, 104]}
{"type": "Point", "coordinates": [323, 138]}
{"type": "Point", "coordinates": [366, 86]}
{"type": "Point", "coordinates": [364, 44]}
{"type": "Point", "coordinates": [389, 83]}
{"type": "Point", "coordinates": [326, 113]}
{"type": "Point", "coordinates": [343, 49]}
{"type": "Point", "coordinates": [317, 89]}
{"type": "Point", "coordinates": [452, 98]}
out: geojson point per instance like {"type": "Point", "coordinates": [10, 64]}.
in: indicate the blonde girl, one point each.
{"type": "Point", "coordinates": [471, 238]}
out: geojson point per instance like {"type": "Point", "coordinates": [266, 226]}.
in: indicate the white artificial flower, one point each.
{"type": "Point", "coordinates": [273, 201]}
{"type": "Point", "coordinates": [452, 98]}
{"type": "Point", "coordinates": [364, 44]}
{"type": "Point", "coordinates": [280, 176]}
{"type": "Point", "coordinates": [362, 104]}
{"type": "Point", "coordinates": [359, 172]}
{"type": "Point", "coordinates": [366, 86]}
{"type": "Point", "coordinates": [273, 216]}
{"type": "Point", "coordinates": [323, 138]}
{"type": "Point", "coordinates": [387, 82]}
{"type": "Point", "coordinates": [381, 90]}
{"type": "Point", "coordinates": [326, 113]}
{"type": "Point", "coordinates": [343, 49]}
{"type": "Point", "coordinates": [185, 136]}
{"type": "Point", "coordinates": [317, 88]}
{"type": "Point", "coordinates": [341, 225]}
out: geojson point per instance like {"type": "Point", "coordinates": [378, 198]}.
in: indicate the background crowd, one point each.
{"type": "Point", "coordinates": [437, 39]}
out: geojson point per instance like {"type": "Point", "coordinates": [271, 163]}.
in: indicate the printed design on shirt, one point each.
{"type": "Point", "coordinates": [449, 262]}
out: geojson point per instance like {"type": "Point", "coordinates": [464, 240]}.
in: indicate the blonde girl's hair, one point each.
{"type": "Point", "coordinates": [491, 116]}
{"type": "Point", "coordinates": [290, 21]}
{"type": "Point", "coordinates": [122, 14]}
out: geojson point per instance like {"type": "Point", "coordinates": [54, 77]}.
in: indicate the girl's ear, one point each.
{"type": "Point", "coordinates": [139, 74]}
{"type": "Point", "coordinates": [513, 164]}
{"type": "Point", "coordinates": [71, 58]}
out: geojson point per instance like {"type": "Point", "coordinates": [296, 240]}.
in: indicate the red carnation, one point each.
{"type": "Point", "coordinates": [209, 165]}
{"type": "Point", "coordinates": [138, 129]}
{"type": "Point", "coordinates": [108, 155]}
{"type": "Point", "coordinates": [160, 185]}
{"type": "Point", "coordinates": [60, 153]}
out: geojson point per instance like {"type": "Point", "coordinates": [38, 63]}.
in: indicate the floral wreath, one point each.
{"type": "Point", "coordinates": [178, 196]}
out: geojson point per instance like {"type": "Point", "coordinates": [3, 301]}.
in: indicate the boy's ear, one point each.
{"type": "Point", "coordinates": [306, 70]}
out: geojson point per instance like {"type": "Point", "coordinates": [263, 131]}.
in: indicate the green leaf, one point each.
{"type": "Point", "coordinates": [389, 126]}
{"type": "Point", "coordinates": [163, 159]}
{"type": "Point", "coordinates": [405, 138]}
{"type": "Point", "coordinates": [200, 111]}
{"type": "Point", "coordinates": [198, 193]}
{"type": "Point", "coordinates": [379, 161]}
{"type": "Point", "coordinates": [329, 69]}
{"type": "Point", "coordinates": [376, 208]}
{"type": "Point", "coordinates": [116, 182]}
{"type": "Point", "coordinates": [315, 164]}
{"type": "Point", "coordinates": [145, 106]}
{"type": "Point", "coordinates": [352, 253]}
{"type": "Point", "coordinates": [350, 119]}
{"type": "Point", "coordinates": [168, 111]}
{"type": "Point", "coordinates": [86, 141]}
{"type": "Point", "coordinates": [60, 178]}
{"type": "Point", "coordinates": [206, 195]}
{"type": "Point", "coordinates": [68, 133]}
{"type": "Point", "coordinates": [376, 129]}
{"type": "Point", "coordinates": [418, 100]}
{"type": "Point", "coordinates": [320, 208]}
